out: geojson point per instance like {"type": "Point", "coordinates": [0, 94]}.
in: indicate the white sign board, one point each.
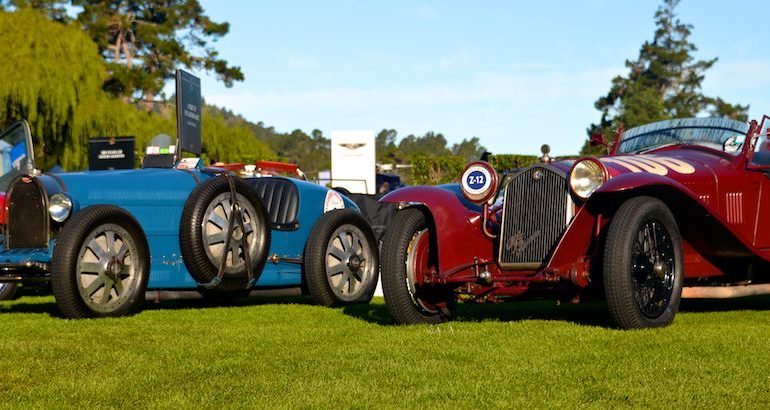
{"type": "Point", "coordinates": [353, 161]}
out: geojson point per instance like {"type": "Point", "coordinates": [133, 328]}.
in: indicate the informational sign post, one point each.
{"type": "Point", "coordinates": [111, 153]}
{"type": "Point", "coordinates": [353, 161]}
{"type": "Point", "coordinates": [188, 112]}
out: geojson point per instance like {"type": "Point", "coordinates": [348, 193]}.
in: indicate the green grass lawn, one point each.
{"type": "Point", "coordinates": [285, 352]}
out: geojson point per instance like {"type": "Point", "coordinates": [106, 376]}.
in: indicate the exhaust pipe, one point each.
{"type": "Point", "coordinates": [724, 292]}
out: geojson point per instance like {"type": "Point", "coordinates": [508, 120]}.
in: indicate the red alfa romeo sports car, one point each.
{"type": "Point", "coordinates": [680, 208]}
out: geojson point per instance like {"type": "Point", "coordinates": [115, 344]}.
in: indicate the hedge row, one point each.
{"type": "Point", "coordinates": [441, 170]}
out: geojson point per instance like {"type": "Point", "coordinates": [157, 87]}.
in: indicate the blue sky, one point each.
{"type": "Point", "coordinates": [515, 74]}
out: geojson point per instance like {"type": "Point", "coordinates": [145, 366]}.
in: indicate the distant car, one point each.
{"type": "Point", "coordinates": [104, 237]}
{"type": "Point", "coordinates": [265, 168]}
{"type": "Point", "coordinates": [681, 208]}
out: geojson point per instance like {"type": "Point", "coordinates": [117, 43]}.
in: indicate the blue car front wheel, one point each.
{"type": "Point", "coordinates": [100, 264]}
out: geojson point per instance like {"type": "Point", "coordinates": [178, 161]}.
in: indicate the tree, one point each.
{"type": "Point", "coordinates": [59, 91]}
{"type": "Point", "coordinates": [430, 144]}
{"type": "Point", "coordinates": [53, 9]}
{"type": "Point", "coordinates": [385, 146]}
{"type": "Point", "coordinates": [144, 41]}
{"type": "Point", "coordinates": [469, 149]}
{"type": "Point", "coordinates": [663, 82]}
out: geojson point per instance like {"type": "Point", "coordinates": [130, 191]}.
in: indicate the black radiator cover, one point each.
{"type": "Point", "coordinates": [28, 223]}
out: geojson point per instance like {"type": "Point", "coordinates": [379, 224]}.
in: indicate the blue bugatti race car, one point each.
{"type": "Point", "coordinates": [103, 238]}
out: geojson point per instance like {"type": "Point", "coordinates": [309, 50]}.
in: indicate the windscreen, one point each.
{"type": "Point", "coordinates": [707, 132]}
{"type": "Point", "coordinates": [15, 157]}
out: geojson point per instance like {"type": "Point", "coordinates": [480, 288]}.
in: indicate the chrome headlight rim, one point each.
{"type": "Point", "coordinates": [60, 206]}
{"type": "Point", "coordinates": [475, 191]}
{"type": "Point", "coordinates": [586, 176]}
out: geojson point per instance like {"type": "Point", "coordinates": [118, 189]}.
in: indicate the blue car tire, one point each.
{"type": "Point", "coordinates": [101, 264]}
{"type": "Point", "coordinates": [203, 234]}
{"type": "Point", "coordinates": [341, 259]}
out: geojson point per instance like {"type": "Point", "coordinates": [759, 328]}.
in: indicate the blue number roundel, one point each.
{"type": "Point", "coordinates": [476, 180]}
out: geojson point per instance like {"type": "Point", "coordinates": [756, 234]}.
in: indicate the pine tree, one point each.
{"type": "Point", "coordinates": [663, 82]}
{"type": "Point", "coordinates": [145, 41]}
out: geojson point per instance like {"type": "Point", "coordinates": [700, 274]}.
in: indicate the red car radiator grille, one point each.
{"type": "Point", "coordinates": [534, 217]}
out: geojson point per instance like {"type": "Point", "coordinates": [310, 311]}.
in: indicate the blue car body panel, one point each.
{"type": "Point", "coordinates": [156, 198]}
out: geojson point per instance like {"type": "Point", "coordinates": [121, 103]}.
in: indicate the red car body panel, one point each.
{"type": "Point", "coordinates": [720, 201]}
{"type": "Point", "coordinates": [3, 209]}
{"type": "Point", "coordinates": [460, 234]}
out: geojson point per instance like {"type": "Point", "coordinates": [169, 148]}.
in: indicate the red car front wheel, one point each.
{"type": "Point", "coordinates": [406, 258]}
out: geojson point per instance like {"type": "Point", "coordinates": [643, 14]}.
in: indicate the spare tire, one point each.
{"type": "Point", "coordinates": [203, 233]}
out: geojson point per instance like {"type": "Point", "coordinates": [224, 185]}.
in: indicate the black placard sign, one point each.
{"type": "Point", "coordinates": [188, 112]}
{"type": "Point", "coordinates": [110, 153]}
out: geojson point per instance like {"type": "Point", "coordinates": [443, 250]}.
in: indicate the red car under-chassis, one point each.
{"type": "Point", "coordinates": [681, 208]}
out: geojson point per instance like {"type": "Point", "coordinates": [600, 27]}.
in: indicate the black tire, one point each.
{"type": "Point", "coordinates": [202, 252]}
{"type": "Point", "coordinates": [341, 190]}
{"type": "Point", "coordinates": [344, 233]}
{"type": "Point", "coordinates": [84, 275]}
{"type": "Point", "coordinates": [8, 290]}
{"type": "Point", "coordinates": [404, 244]}
{"type": "Point", "coordinates": [643, 265]}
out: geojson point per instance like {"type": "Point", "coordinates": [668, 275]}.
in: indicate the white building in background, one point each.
{"type": "Point", "coordinates": [353, 161]}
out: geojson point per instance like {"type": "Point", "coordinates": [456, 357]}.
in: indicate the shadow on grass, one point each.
{"type": "Point", "coordinates": [589, 314]}
{"type": "Point", "coordinates": [40, 300]}
{"type": "Point", "coordinates": [200, 303]}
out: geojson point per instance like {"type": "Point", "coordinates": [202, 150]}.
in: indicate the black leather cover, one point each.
{"type": "Point", "coordinates": [281, 201]}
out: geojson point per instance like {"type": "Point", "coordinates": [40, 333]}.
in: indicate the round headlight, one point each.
{"type": "Point", "coordinates": [60, 206]}
{"type": "Point", "coordinates": [585, 178]}
{"type": "Point", "coordinates": [479, 182]}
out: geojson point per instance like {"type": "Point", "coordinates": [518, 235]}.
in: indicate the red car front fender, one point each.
{"type": "Point", "coordinates": [456, 229]}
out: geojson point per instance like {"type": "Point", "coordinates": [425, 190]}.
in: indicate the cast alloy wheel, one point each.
{"type": "Point", "coordinates": [643, 265]}
{"type": "Point", "coordinates": [341, 259]}
{"type": "Point", "coordinates": [100, 264]}
{"type": "Point", "coordinates": [349, 265]}
{"type": "Point", "coordinates": [203, 234]}
{"type": "Point", "coordinates": [214, 232]}
{"type": "Point", "coordinates": [105, 273]}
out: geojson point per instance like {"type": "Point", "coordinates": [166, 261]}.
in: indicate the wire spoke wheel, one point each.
{"type": "Point", "coordinates": [643, 264]}
{"type": "Point", "coordinates": [215, 227]}
{"type": "Point", "coordinates": [106, 268]}
{"type": "Point", "coordinates": [652, 268]}
{"type": "Point", "coordinates": [349, 262]}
